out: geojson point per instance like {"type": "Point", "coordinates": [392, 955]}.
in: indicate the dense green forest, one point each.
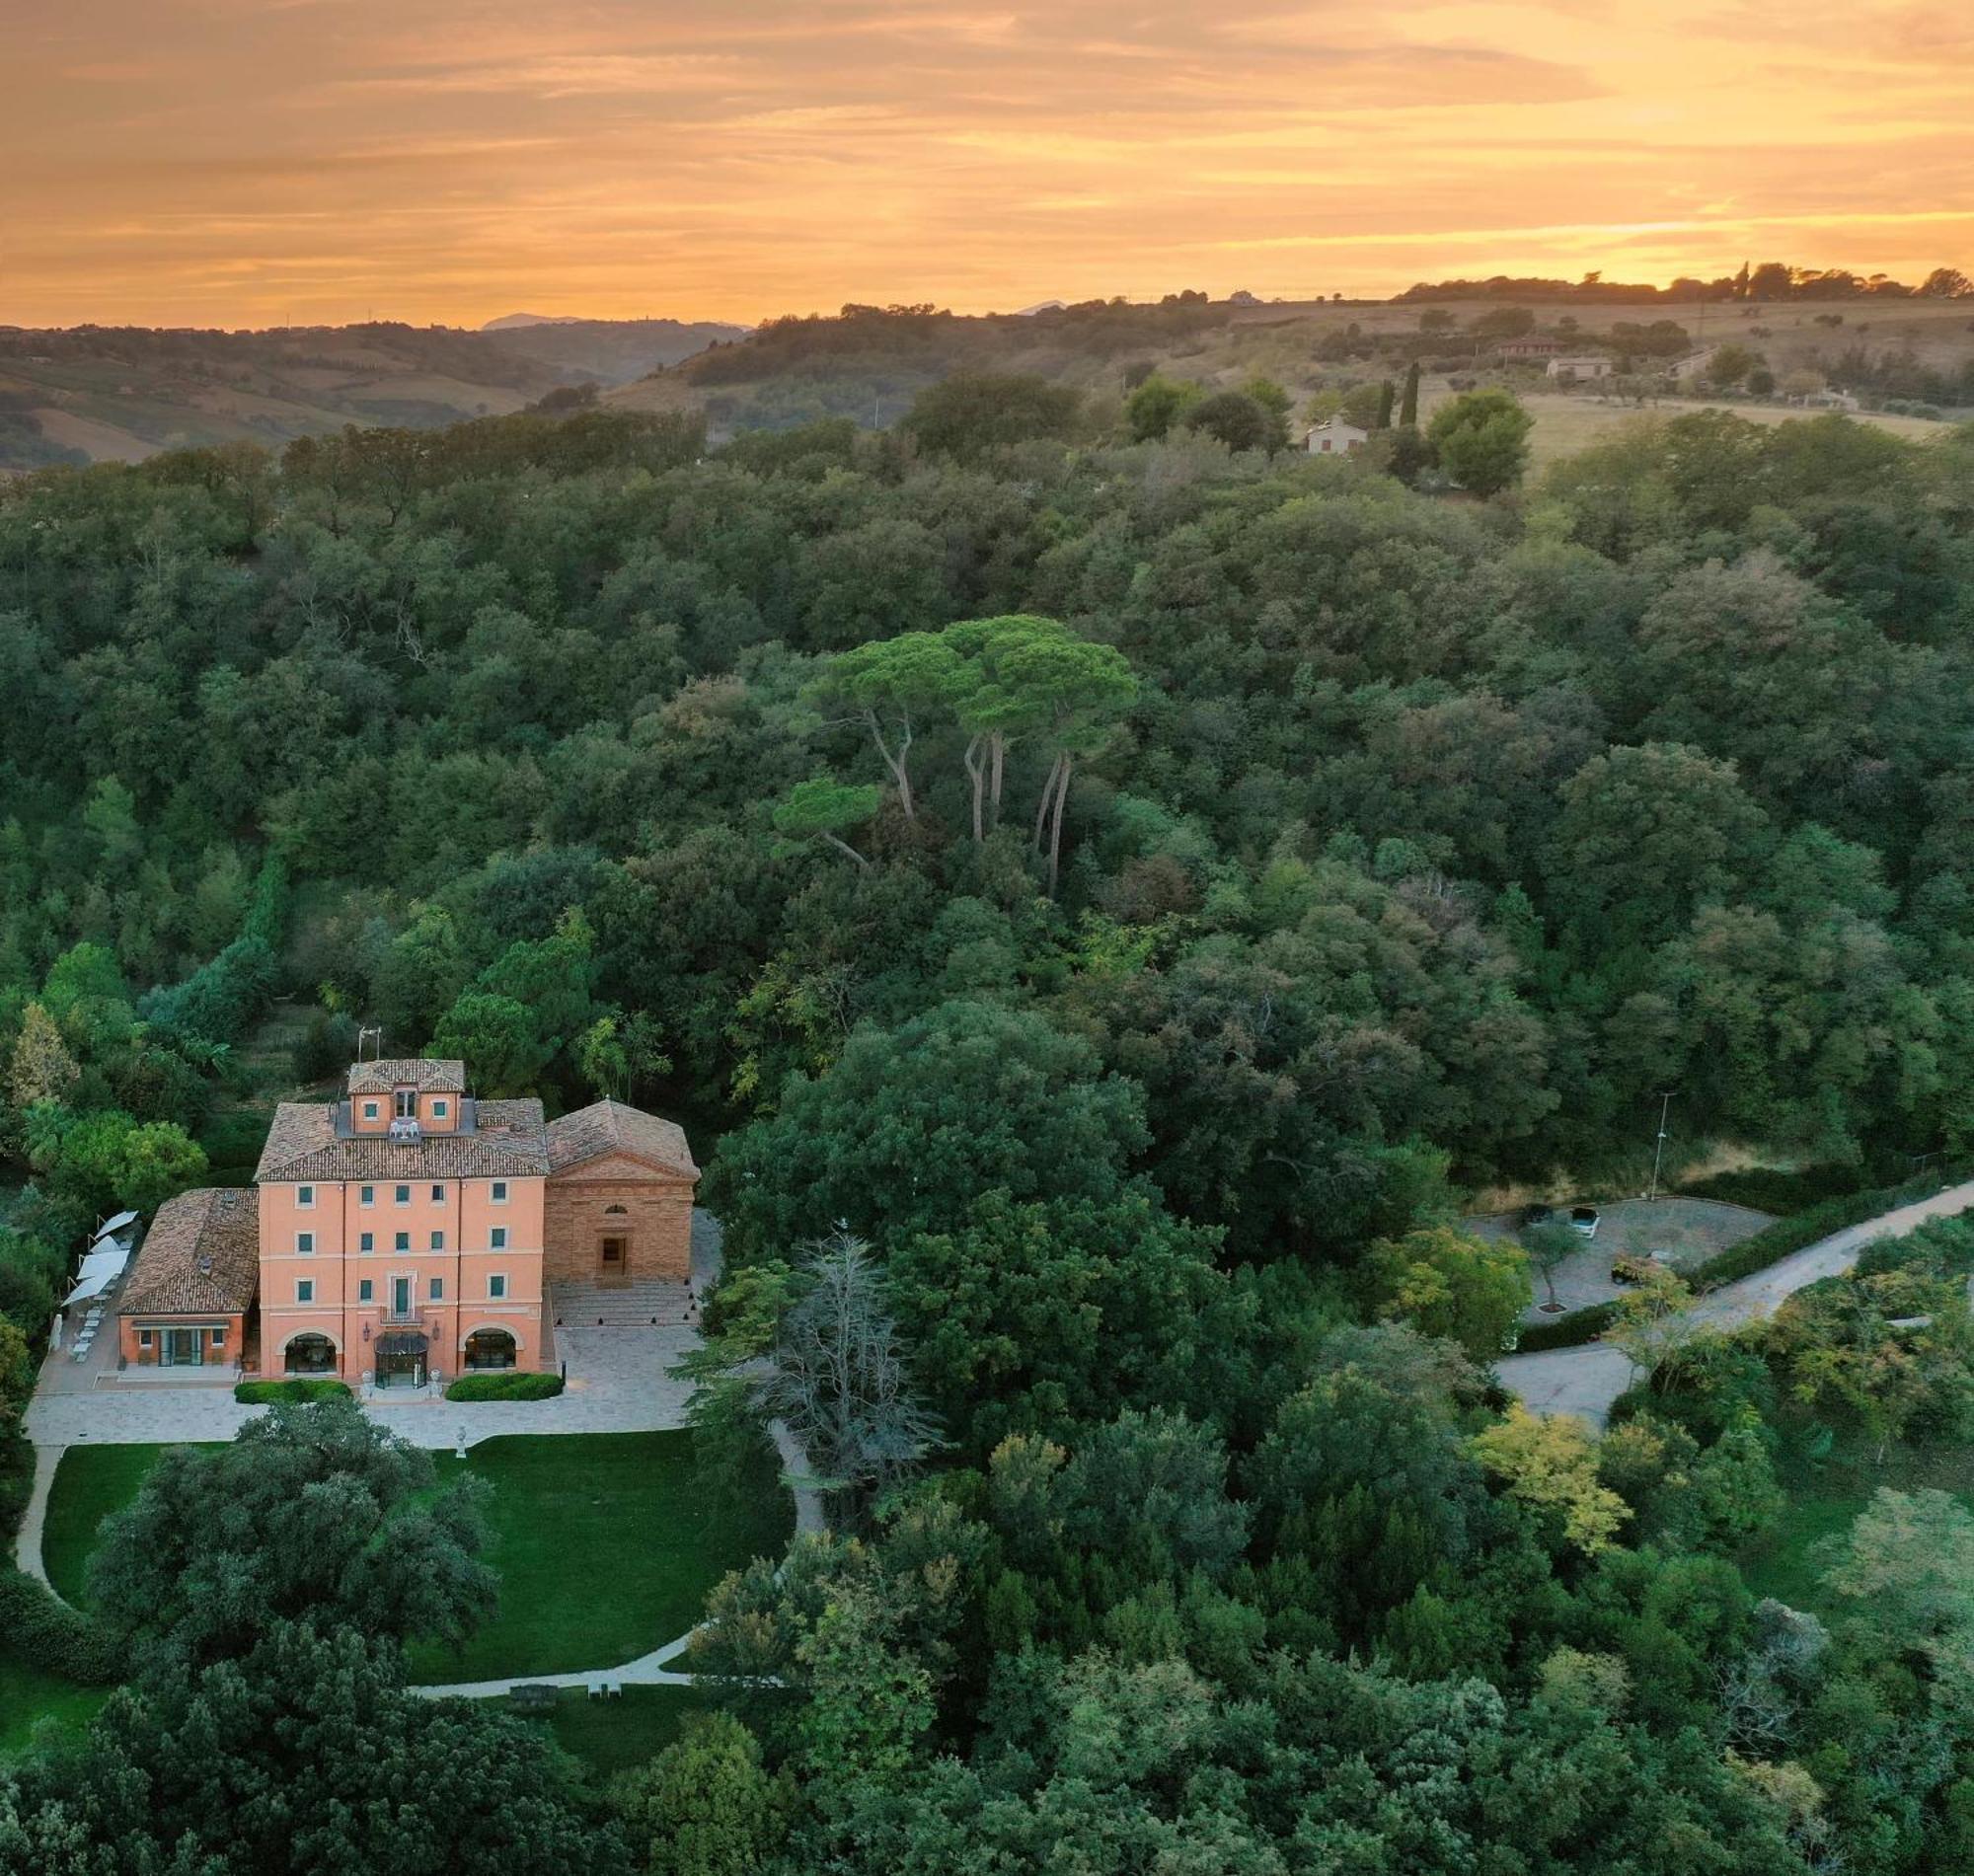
{"type": "Point", "coordinates": [1100, 906]}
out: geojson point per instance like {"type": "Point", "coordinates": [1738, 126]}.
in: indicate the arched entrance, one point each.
{"type": "Point", "coordinates": [490, 1348]}
{"type": "Point", "coordinates": [403, 1360]}
{"type": "Point", "coordinates": [310, 1355]}
{"type": "Point", "coordinates": [613, 1247]}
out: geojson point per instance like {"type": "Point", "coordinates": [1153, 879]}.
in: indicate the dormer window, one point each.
{"type": "Point", "coordinates": [438, 1110]}
{"type": "Point", "coordinates": [408, 1103]}
{"type": "Point", "coordinates": [369, 1110]}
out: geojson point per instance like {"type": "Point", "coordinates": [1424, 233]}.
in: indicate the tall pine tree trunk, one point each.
{"type": "Point", "coordinates": [976, 773]}
{"type": "Point", "coordinates": [1055, 827]}
{"type": "Point", "coordinates": [1042, 806]}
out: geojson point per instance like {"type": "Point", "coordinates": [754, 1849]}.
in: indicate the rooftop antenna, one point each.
{"type": "Point", "coordinates": [372, 1029]}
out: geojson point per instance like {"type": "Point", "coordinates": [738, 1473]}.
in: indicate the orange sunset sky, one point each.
{"type": "Point", "coordinates": [258, 162]}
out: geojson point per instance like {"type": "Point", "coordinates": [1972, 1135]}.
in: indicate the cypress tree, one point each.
{"type": "Point", "coordinates": [1384, 401]}
{"type": "Point", "coordinates": [1408, 405]}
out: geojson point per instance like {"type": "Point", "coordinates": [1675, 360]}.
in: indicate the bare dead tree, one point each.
{"type": "Point", "coordinates": [836, 1377]}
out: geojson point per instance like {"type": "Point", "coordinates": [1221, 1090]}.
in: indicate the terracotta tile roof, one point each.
{"type": "Point", "coordinates": [508, 1141]}
{"type": "Point", "coordinates": [201, 1256]}
{"type": "Point", "coordinates": [611, 1127]}
{"type": "Point", "coordinates": [408, 1071]}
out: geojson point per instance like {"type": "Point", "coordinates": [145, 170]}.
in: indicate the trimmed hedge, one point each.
{"type": "Point", "coordinates": [1770, 1189]}
{"type": "Point", "coordinates": [1566, 1331]}
{"type": "Point", "coordinates": [513, 1385]}
{"type": "Point", "coordinates": [263, 1393]}
{"type": "Point", "coordinates": [1766, 1247]}
{"type": "Point", "coordinates": [47, 1633]}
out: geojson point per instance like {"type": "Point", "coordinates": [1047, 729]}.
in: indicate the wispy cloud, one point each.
{"type": "Point", "coordinates": [236, 160]}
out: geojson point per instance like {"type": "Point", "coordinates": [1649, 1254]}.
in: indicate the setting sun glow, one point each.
{"type": "Point", "coordinates": [257, 161]}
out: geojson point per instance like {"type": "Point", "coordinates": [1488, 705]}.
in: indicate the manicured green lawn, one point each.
{"type": "Point", "coordinates": [26, 1694]}
{"type": "Point", "coordinates": [91, 1482]}
{"type": "Point", "coordinates": [604, 1543]}
{"type": "Point", "coordinates": [605, 1547]}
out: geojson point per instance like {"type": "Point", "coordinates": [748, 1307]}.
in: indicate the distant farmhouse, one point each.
{"type": "Point", "coordinates": [1334, 437]}
{"type": "Point", "coordinates": [1533, 350]}
{"type": "Point", "coordinates": [407, 1233]}
{"type": "Point", "coordinates": [1578, 366]}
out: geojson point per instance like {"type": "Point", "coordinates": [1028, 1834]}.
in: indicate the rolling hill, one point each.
{"type": "Point", "coordinates": [103, 394]}
{"type": "Point", "coordinates": [1907, 360]}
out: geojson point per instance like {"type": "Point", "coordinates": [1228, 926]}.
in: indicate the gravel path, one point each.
{"type": "Point", "coordinates": [28, 1539]}
{"type": "Point", "coordinates": [1586, 1381]}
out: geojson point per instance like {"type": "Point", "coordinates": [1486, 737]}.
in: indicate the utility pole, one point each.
{"type": "Point", "coordinates": [1659, 1147]}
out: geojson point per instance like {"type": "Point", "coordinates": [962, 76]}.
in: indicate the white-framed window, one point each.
{"type": "Point", "coordinates": [499, 1193]}
{"type": "Point", "coordinates": [400, 1241]}
{"type": "Point", "coordinates": [497, 1239]}
{"type": "Point", "coordinates": [305, 1290]}
{"type": "Point", "coordinates": [366, 1290]}
{"type": "Point", "coordinates": [496, 1287]}
{"type": "Point", "coordinates": [439, 1193]}
{"type": "Point", "coordinates": [438, 1289]}
{"type": "Point", "coordinates": [305, 1244]}
{"type": "Point", "coordinates": [219, 1339]}
{"type": "Point", "coordinates": [407, 1100]}
{"type": "Point", "coordinates": [305, 1196]}
{"type": "Point", "coordinates": [366, 1196]}
{"type": "Point", "coordinates": [401, 1196]}
{"type": "Point", "coordinates": [438, 1240]}
{"type": "Point", "coordinates": [143, 1338]}
{"type": "Point", "coordinates": [366, 1240]}
{"type": "Point", "coordinates": [369, 1110]}
{"type": "Point", "coordinates": [438, 1110]}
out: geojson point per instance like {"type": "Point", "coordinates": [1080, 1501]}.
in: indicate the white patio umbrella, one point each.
{"type": "Point", "coordinates": [109, 1258]}
{"type": "Point", "coordinates": [89, 1287]}
{"type": "Point", "coordinates": [111, 1225]}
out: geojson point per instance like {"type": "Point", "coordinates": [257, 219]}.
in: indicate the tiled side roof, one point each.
{"type": "Point", "coordinates": [201, 1256]}
{"type": "Point", "coordinates": [611, 1127]}
{"type": "Point", "coordinates": [408, 1071]}
{"type": "Point", "coordinates": [510, 1141]}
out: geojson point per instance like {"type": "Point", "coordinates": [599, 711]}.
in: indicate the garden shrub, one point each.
{"type": "Point", "coordinates": [512, 1386]}
{"type": "Point", "coordinates": [47, 1633]}
{"type": "Point", "coordinates": [262, 1393]}
{"type": "Point", "coordinates": [17, 1483]}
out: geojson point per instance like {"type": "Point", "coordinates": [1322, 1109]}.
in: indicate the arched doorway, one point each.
{"type": "Point", "coordinates": [310, 1355]}
{"type": "Point", "coordinates": [403, 1360]}
{"type": "Point", "coordinates": [613, 1249]}
{"type": "Point", "coordinates": [490, 1348]}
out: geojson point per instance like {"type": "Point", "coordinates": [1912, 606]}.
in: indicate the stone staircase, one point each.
{"type": "Point", "coordinates": [622, 1306]}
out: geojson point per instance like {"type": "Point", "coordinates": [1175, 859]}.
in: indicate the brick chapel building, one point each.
{"type": "Point", "coordinates": [407, 1233]}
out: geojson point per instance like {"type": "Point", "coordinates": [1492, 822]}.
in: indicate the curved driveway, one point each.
{"type": "Point", "coordinates": [1586, 1381]}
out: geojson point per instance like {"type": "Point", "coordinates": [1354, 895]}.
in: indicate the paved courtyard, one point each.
{"type": "Point", "coordinates": [617, 1383]}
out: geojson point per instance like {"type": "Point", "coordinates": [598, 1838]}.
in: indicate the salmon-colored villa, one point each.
{"type": "Point", "coordinates": [407, 1233]}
